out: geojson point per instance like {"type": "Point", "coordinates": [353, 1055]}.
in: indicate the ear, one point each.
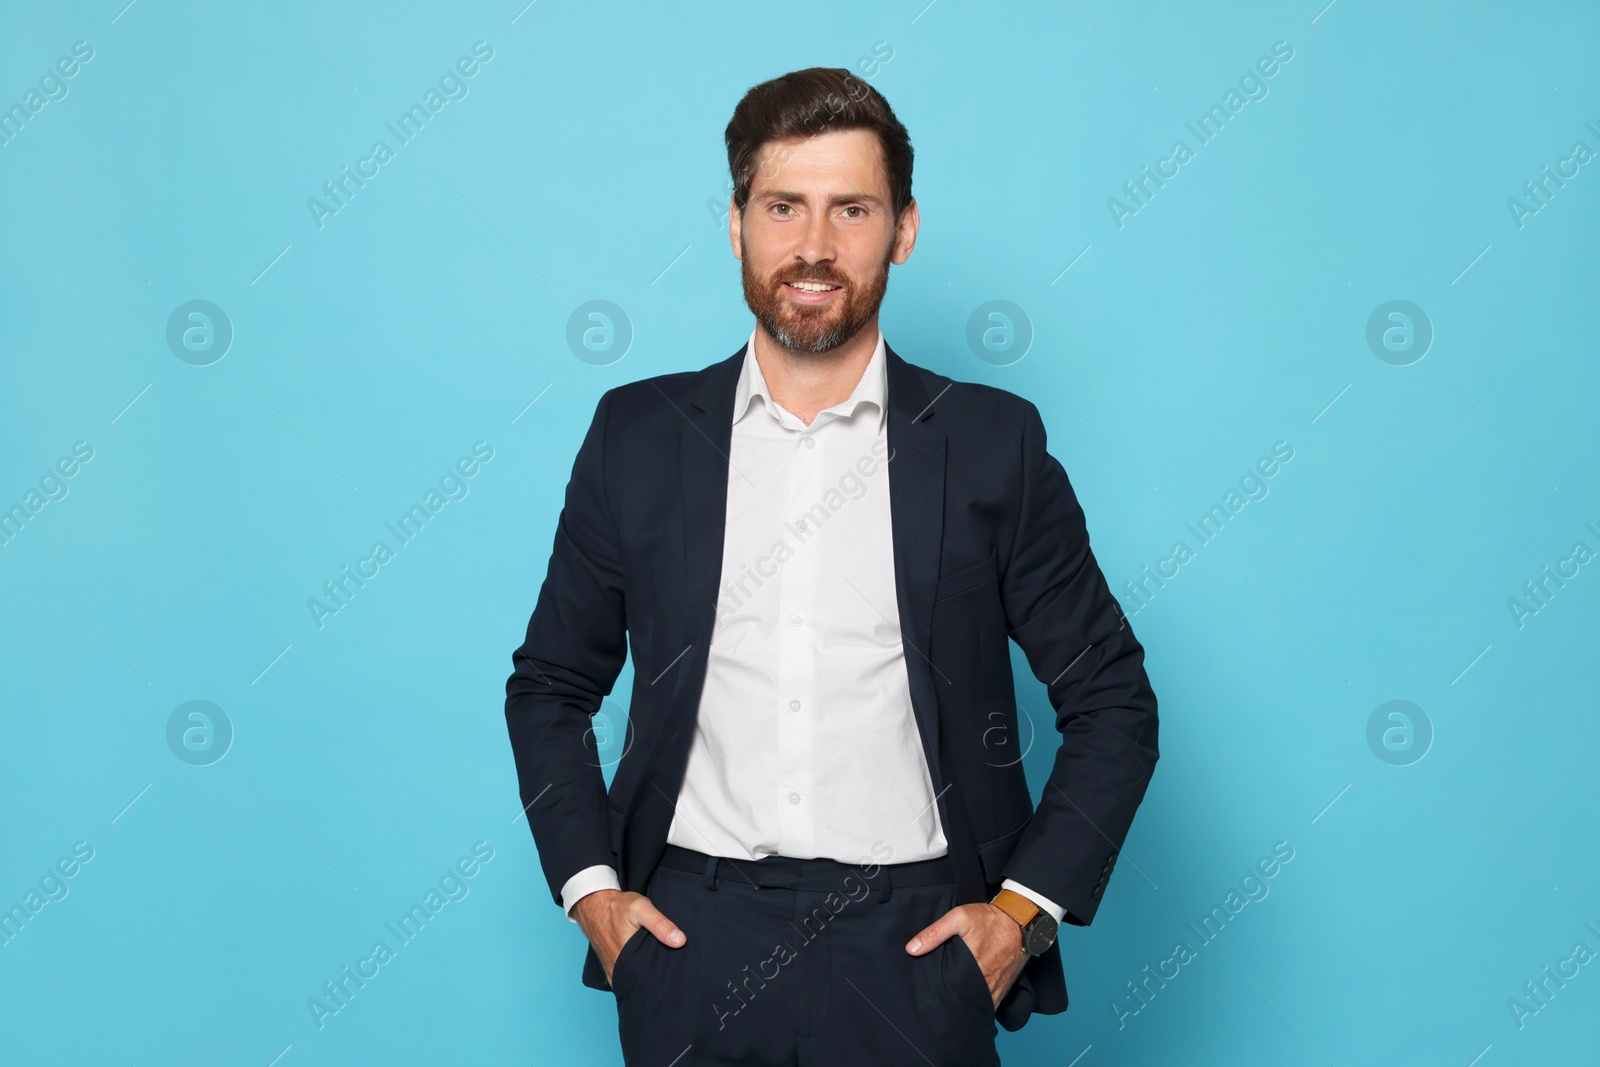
{"type": "Point", "coordinates": [905, 234]}
{"type": "Point", "coordinates": [735, 228]}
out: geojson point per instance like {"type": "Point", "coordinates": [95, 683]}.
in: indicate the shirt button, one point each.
{"type": "Point", "coordinates": [794, 705]}
{"type": "Point", "coordinates": [810, 442]}
{"type": "Point", "coordinates": [794, 798]}
{"type": "Point", "coordinates": [797, 620]}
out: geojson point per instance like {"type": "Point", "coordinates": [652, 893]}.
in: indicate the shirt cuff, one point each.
{"type": "Point", "coordinates": [589, 880]}
{"type": "Point", "coordinates": [1038, 898]}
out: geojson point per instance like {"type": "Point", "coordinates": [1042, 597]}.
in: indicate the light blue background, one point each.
{"type": "Point", "coordinates": [1227, 315]}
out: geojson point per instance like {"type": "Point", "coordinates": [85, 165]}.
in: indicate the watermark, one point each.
{"type": "Point", "coordinates": [999, 332]}
{"type": "Point", "coordinates": [199, 733]}
{"type": "Point", "coordinates": [852, 890]}
{"type": "Point", "coordinates": [451, 887]}
{"type": "Point", "coordinates": [850, 486]}
{"type": "Point", "coordinates": [1399, 332]}
{"type": "Point", "coordinates": [872, 65]}
{"type": "Point", "coordinates": [52, 487]}
{"type": "Point", "coordinates": [1252, 486]}
{"type": "Point", "coordinates": [199, 332]}
{"type": "Point", "coordinates": [1537, 194]}
{"type": "Point", "coordinates": [604, 742]}
{"type": "Point", "coordinates": [717, 206]}
{"type": "Point", "coordinates": [52, 888]}
{"type": "Point", "coordinates": [52, 87]}
{"type": "Point", "coordinates": [772, 157]}
{"type": "Point", "coordinates": [451, 87]}
{"type": "Point", "coordinates": [1399, 733]}
{"type": "Point", "coordinates": [1137, 193]}
{"type": "Point", "coordinates": [1001, 743]}
{"type": "Point", "coordinates": [1537, 593]}
{"type": "Point", "coordinates": [599, 332]}
{"type": "Point", "coordinates": [1253, 888]}
{"type": "Point", "coordinates": [452, 485]}
{"type": "Point", "coordinates": [1538, 993]}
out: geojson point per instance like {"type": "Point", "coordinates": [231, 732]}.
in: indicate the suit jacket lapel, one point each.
{"type": "Point", "coordinates": [704, 435]}
{"type": "Point", "coordinates": [704, 440]}
{"type": "Point", "coordinates": [916, 501]}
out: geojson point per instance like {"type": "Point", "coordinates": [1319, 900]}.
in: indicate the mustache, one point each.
{"type": "Point", "coordinates": [819, 272]}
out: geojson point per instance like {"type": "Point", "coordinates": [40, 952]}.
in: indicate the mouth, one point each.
{"type": "Point", "coordinates": [811, 292]}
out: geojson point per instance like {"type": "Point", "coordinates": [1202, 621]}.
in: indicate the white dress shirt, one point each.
{"type": "Point", "coordinates": [805, 743]}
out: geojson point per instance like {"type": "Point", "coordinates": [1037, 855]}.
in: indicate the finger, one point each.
{"type": "Point", "coordinates": [665, 930]}
{"type": "Point", "coordinates": [934, 935]}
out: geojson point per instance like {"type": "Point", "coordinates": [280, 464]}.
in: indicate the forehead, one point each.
{"type": "Point", "coordinates": [833, 160]}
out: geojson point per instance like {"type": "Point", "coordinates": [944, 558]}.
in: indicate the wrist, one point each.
{"type": "Point", "coordinates": [1038, 927]}
{"type": "Point", "coordinates": [1011, 923]}
{"type": "Point", "coordinates": [587, 906]}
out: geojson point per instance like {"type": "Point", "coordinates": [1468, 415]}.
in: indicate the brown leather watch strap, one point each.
{"type": "Point", "coordinates": [1016, 905]}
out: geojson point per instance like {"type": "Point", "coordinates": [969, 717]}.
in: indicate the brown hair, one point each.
{"type": "Point", "coordinates": [805, 103]}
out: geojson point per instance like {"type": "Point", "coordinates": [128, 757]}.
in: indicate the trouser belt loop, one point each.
{"type": "Point", "coordinates": [711, 873]}
{"type": "Point", "coordinates": [885, 883]}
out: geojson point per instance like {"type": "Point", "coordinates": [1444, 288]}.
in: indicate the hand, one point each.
{"type": "Point", "coordinates": [609, 917]}
{"type": "Point", "coordinates": [993, 936]}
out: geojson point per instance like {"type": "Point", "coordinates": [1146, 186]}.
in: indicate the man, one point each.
{"type": "Point", "coordinates": [819, 846]}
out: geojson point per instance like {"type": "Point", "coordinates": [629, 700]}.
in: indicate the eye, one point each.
{"type": "Point", "coordinates": [782, 209]}
{"type": "Point", "coordinates": [855, 211]}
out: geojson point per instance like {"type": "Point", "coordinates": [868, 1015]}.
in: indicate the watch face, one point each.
{"type": "Point", "coordinates": [1039, 935]}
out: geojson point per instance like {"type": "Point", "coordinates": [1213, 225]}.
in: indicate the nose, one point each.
{"type": "Point", "coordinates": [817, 239]}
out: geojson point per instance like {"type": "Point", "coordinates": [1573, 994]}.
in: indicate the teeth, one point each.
{"type": "Point", "coordinates": [813, 287]}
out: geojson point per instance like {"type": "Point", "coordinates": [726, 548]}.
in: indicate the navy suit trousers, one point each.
{"type": "Point", "coordinates": [800, 963]}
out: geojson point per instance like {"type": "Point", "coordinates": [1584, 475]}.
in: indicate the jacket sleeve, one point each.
{"type": "Point", "coordinates": [1060, 612]}
{"type": "Point", "coordinates": [575, 647]}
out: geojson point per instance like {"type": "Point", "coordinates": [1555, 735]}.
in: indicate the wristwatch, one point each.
{"type": "Point", "coordinates": [1038, 926]}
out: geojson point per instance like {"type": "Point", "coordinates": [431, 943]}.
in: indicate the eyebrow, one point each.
{"type": "Point", "coordinates": [842, 198]}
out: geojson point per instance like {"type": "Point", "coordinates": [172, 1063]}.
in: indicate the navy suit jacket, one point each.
{"type": "Point", "coordinates": [989, 543]}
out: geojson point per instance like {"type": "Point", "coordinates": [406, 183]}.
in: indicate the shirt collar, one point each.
{"type": "Point", "coordinates": [872, 389]}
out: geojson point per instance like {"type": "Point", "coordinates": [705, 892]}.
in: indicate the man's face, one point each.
{"type": "Point", "coordinates": [817, 236]}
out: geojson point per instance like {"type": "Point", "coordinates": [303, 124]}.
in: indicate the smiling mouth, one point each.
{"type": "Point", "coordinates": [812, 287]}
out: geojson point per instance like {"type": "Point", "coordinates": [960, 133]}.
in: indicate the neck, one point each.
{"type": "Point", "coordinates": [805, 383]}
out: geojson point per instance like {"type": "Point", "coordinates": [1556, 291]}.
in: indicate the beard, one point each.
{"type": "Point", "coordinates": [800, 328]}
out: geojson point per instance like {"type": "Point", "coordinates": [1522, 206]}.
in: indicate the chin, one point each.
{"type": "Point", "coordinates": [811, 341]}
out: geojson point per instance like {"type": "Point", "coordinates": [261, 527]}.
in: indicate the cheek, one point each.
{"type": "Point", "coordinates": [867, 255]}
{"type": "Point", "coordinates": [768, 245]}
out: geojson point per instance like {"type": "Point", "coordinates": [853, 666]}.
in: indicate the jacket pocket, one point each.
{"type": "Point", "coordinates": [966, 578]}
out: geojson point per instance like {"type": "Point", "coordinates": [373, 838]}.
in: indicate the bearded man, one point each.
{"type": "Point", "coordinates": [819, 846]}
